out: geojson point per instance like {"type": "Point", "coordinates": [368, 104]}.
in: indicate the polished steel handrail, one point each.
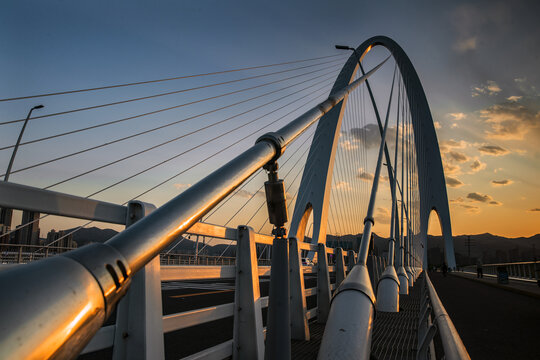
{"type": "Point", "coordinates": [451, 341]}
{"type": "Point", "coordinates": [78, 290]}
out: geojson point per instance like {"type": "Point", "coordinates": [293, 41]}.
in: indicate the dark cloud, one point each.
{"type": "Point", "coordinates": [477, 165]}
{"type": "Point", "coordinates": [494, 150]}
{"type": "Point", "coordinates": [479, 197]}
{"type": "Point", "coordinates": [470, 208]}
{"type": "Point", "coordinates": [450, 168]}
{"type": "Point", "coordinates": [363, 175]}
{"type": "Point", "coordinates": [489, 88]}
{"type": "Point", "coordinates": [457, 156]}
{"type": "Point", "coordinates": [453, 182]}
{"type": "Point", "coordinates": [501, 182]}
{"type": "Point", "coordinates": [496, 203]}
{"type": "Point", "coordinates": [534, 209]}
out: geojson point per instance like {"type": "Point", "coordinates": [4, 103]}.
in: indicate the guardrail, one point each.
{"type": "Point", "coordinates": [247, 294]}
{"type": "Point", "coordinates": [434, 319]}
{"type": "Point", "coordinates": [248, 305]}
{"type": "Point", "coordinates": [529, 270]}
{"type": "Point", "coordinates": [22, 254]}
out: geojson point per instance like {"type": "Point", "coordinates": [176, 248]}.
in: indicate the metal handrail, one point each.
{"type": "Point", "coordinates": [451, 341]}
{"type": "Point", "coordinates": [87, 283]}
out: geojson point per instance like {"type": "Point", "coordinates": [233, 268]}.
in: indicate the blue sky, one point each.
{"type": "Point", "coordinates": [472, 57]}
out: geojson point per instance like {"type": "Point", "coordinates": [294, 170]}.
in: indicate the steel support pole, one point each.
{"type": "Point", "coordinates": [299, 320]}
{"type": "Point", "coordinates": [278, 334]}
{"type": "Point", "coordinates": [350, 322]}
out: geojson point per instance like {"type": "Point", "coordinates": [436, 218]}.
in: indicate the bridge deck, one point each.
{"type": "Point", "coordinates": [394, 334]}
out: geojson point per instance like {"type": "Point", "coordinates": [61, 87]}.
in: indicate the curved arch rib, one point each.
{"type": "Point", "coordinates": [317, 177]}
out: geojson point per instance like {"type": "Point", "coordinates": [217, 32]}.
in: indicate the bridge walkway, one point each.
{"type": "Point", "coordinates": [493, 323]}
{"type": "Point", "coordinates": [394, 334]}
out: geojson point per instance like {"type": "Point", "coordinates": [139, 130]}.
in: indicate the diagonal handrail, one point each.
{"type": "Point", "coordinates": [77, 291]}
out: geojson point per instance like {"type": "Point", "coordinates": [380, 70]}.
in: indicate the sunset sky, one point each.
{"type": "Point", "coordinates": [477, 61]}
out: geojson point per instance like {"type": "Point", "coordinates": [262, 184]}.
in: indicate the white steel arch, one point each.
{"type": "Point", "coordinates": [315, 186]}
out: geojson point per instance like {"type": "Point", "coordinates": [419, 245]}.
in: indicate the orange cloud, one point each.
{"type": "Point", "coordinates": [477, 165]}
{"type": "Point", "coordinates": [510, 120]}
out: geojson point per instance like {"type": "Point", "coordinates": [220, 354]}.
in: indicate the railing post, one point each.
{"type": "Point", "coordinates": [248, 340]}
{"type": "Point", "coordinates": [323, 285]}
{"type": "Point", "coordinates": [299, 320]}
{"type": "Point", "coordinates": [19, 257]}
{"type": "Point", "coordinates": [139, 319]}
{"type": "Point", "coordinates": [351, 259]}
{"type": "Point", "coordinates": [278, 334]}
{"type": "Point", "coordinates": [340, 267]}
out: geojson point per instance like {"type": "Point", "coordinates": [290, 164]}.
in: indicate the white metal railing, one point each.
{"type": "Point", "coordinates": [173, 322]}
{"type": "Point", "coordinates": [433, 319]}
{"type": "Point", "coordinates": [524, 270]}
{"type": "Point", "coordinates": [182, 267]}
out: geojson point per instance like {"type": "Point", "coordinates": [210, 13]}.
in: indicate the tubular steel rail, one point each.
{"type": "Point", "coordinates": [82, 287]}
{"type": "Point", "coordinates": [247, 297]}
{"type": "Point", "coordinates": [433, 319]}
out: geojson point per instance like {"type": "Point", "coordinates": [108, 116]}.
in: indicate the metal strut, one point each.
{"type": "Point", "coordinates": [275, 200]}
{"type": "Point", "coordinates": [278, 339]}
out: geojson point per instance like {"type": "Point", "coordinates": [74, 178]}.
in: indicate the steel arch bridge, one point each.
{"type": "Point", "coordinates": [125, 272]}
{"type": "Point", "coordinates": [315, 189]}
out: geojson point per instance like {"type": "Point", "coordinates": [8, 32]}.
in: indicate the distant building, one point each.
{"type": "Point", "coordinates": [60, 240]}
{"type": "Point", "coordinates": [28, 232]}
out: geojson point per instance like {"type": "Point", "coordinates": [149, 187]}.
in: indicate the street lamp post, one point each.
{"type": "Point", "coordinates": [5, 214]}
{"type": "Point", "coordinates": [8, 171]}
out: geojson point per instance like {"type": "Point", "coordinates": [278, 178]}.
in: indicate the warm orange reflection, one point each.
{"type": "Point", "coordinates": [81, 315]}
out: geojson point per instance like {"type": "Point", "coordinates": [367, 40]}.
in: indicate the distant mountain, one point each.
{"type": "Point", "coordinates": [85, 236]}
{"type": "Point", "coordinates": [182, 245]}
{"type": "Point", "coordinates": [492, 248]}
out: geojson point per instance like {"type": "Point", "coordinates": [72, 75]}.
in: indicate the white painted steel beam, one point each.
{"type": "Point", "coordinates": [28, 198]}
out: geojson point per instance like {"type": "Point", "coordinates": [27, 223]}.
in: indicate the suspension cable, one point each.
{"type": "Point", "coordinates": [166, 79]}
{"type": "Point", "coordinates": [162, 94]}
{"type": "Point", "coordinates": [180, 121]}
